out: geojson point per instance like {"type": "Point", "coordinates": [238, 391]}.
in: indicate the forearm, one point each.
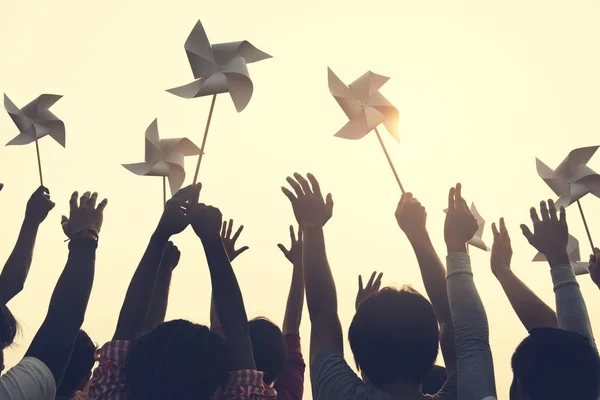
{"type": "Point", "coordinates": [530, 309]}
{"type": "Point", "coordinates": [229, 303]}
{"type": "Point", "coordinates": [571, 311]}
{"type": "Point", "coordinates": [215, 323]}
{"type": "Point", "coordinates": [295, 302]}
{"type": "Point", "coordinates": [160, 300]}
{"type": "Point", "coordinates": [475, 365]}
{"type": "Point", "coordinates": [321, 295]}
{"type": "Point", "coordinates": [139, 294]}
{"type": "Point", "coordinates": [16, 269]}
{"type": "Point", "coordinates": [54, 340]}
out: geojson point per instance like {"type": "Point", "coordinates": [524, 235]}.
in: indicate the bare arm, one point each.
{"type": "Point", "coordinates": [16, 269]}
{"type": "Point", "coordinates": [295, 301]}
{"type": "Point", "coordinates": [530, 309]}
{"type": "Point", "coordinates": [312, 212]}
{"type": "Point", "coordinates": [411, 217]}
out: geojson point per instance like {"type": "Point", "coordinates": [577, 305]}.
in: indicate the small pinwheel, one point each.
{"type": "Point", "coordinates": [366, 109]}
{"type": "Point", "coordinates": [35, 121]}
{"type": "Point", "coordinates": [579, 267]}
{"type": "Point", "coordinates": [477, 240]}
{"type": "Point", "coordinates": [164, 157]}
{"type": "Point", "coordinates": [572, 180]}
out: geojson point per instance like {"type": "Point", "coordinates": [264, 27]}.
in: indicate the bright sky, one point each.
{"type": "Point", "coordinates": [482, 88]}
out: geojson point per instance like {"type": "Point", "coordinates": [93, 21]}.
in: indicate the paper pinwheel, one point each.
{"type": "Point", "coordinates": [477, 240]}
{"type": "Point", "coordinates": [35, 120]}
{"type": "Point", "coordinates": [573, 179]}
{"type": "Point", "coordinates": [579, 267]}
{"type": "Point", "coordinates": [219, 68]}
{"type": "Point", "coordinates": [164, 157]}
{"type": "Point", "coordinates": [364, 105]}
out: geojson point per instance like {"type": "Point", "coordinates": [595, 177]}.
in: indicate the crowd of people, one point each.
{"type": "Point", "coordinates": [395, 333]}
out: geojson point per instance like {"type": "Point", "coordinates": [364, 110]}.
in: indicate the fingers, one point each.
{"type": "Point", "coordinates": [241, 250]}
{"type": "Point", "coordinates": [195, 195]}
{"type": "Point", "coordinates": [552, 210]}
{"type": "Point", "coordinates": [285, 251]}
{"type": "Point", "coordinates": [304, 183]}
{"type": "Point", "coordinates": [300, 235]}
{"type": "Point", "coordinates": [451, 199]}
{"type": "Point", "coordinates": [297, 188]}
{"type": "Point", "coordinates": [371, 279]}
{"type": "Point", "coordinates": [495, 230]}
{"type": "Point", "coordinates": [503, 229]}
{"type": "Point", "coordinates": [377, 284]}
{"type": "Point", "coordinates": [544, 211]}
{"type": "Point", "coordinates": [289, 195]}
{"type": "Point", "coordinates": [229, 228]}
{"type": "Point", "coordinates": [292, 235]}
{"type": "Point", "coordinates": [92, 200]}
{"type": "Point", "coordinates": [527, 233]}
{"type": "Point", "coordinates": [316, 188]}
{"type": "Point", "coordinates": [237, 233]}
{"type": "Point", "coordinates": [360, 284]}
{"type": "Point", "coordinates": [64, 222]}
{"type": "Point", "coordinates": [329, 202]}
{"type": "Point", "coordinates": [563, 215]}
{"type": "Point", "coordinates": [83, 201]}
{"type": "Point", "coordinates": [73, 201]}
{"type": "Point", "coordinates": [223, 229]}
{"type": "Point", "coordinates": [534, 217]}
{"type": "Point", "coordinates": [458, 196]}
{"type": "Point", "coordinates": [102, 205]}
{"type": "Point", "coordinates": [41, 190]}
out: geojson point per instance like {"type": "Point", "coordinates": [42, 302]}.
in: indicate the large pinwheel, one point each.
{"type": "Point", "coordinates": [579, 267]}
{"type": "Point", "coordinates": [366, 109]}
{"type": "Point", "coordinates": [219, 68]}
{"type": "Point", "coordinates": [573, 179]}
{"type": "Point", "coordinates": [35, 121]}
{"type": "Point", "coordinates": [164, 157]}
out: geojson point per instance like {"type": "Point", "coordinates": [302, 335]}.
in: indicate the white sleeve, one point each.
{"type": "Point", "coordinates": [30, 379]}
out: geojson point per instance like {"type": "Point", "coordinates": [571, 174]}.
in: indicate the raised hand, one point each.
{"type": "Point", "coordinates": [1, 186]}
{"type": "Point", "coordinates": [309, 207]}
{"type": "Point", "coordinates": [84, 215]}
{"type": "Point", "coordinates": [175, 215]}
{"type": "Point", "coordinates": [206, 220]}
{"type": "Point", "coordinates": [460, 225]}
{"type": "Point", "coordinates": [294, 253]}
{"type": "Point", "coordinates": [229, 241]}
{"type": "Point", "coordinates": [550, 234]}
{"type": "Point", "coordinates": [595, 267]}
{"type": "Point", "coordinates": [501, 249]}
{"type": "Point", "coordinates": [373, 286]}
{"type": "Point", "coordinates": [39, 205]}
{"type": "Point", "coordinates": [171, 256]}
{"type": "Point", "coordinates": [411, 216]}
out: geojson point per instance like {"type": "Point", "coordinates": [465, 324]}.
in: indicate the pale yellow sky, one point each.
{"type": "Point", "coordinates": [482, 88]}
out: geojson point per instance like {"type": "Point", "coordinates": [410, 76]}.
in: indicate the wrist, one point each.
{"type": "Point", "coordinates": [210, 237]}
{"type": "Point", "coordinates": [456, 247]}
{"type": "Point", "coordinates": [30, 222]}
{"type": "Point", "coordinates": [160, 236]}
{"type": "Point", "coordinates": [418, 238]}
{"type": "Point", "coordinates": [561, 258]}
{"type": "Point", "coordinates": [503, 274]}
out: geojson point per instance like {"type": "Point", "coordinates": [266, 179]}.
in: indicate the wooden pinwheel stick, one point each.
{"type": "Point", "coordinates": [37, 150]}
{"type": "Point", "coordinates": [164, 192]}
{"type": "Point", "coordinates": [586, 227]}
{"type": "Point", "coordinates": [389, 160]}
{"type": "Point", "coordinates": [210, 113]}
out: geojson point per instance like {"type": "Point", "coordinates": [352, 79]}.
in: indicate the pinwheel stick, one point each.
{"type": "Point", "coordinates": [37, 150]}
{"type": "Point", "coordinates": [389, 160]}
{"type": "Point", "coordinates": [210, 113]}
{"type": "Point", "coordinates": [164, 192]}
{"type": "Point", "coordinates": [586, 226]}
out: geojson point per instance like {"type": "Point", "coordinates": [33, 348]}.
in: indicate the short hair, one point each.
{"type": "Point", "coordinates": [177, 360]}
{"type": "Point", "coordinates": [8, 327]}
{"type": "Point", "coordinates": [80, 366]}
{"type": "Point", "coordinates": [394, 337]}
{"type": "Point", "coordinates": [556, 364]}
{"type": "Point", "coordinates": [268, 346]}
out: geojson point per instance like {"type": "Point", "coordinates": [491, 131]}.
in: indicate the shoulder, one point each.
{"type": "Point", "coordinates": [29, 379]}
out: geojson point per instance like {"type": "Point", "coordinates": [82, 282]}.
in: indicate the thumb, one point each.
{"type": "Point", "coordinates": [243, 249]}
{"type": "Point", "coordinates": [283, 249]}
{"type": "Point", "coordinates": [527, 233]}
{"type": "Point", "coordinates": [329, 201]}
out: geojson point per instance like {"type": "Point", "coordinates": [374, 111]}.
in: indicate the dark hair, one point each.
{"type": "Point", "coordinates": [394, 337]}
{"type": "Point", "coordinates": [556, 364]}
{"type": "Point", "coordinates": [8, 327]}
{"type": "Point", "coordinates": [80, 366]}
{"type": "Point", "coordinates": [178, 360]}
{"type": "Point", "coordinates": [268, 346]}
{"type": "Point", "coordinates": [435, 380]}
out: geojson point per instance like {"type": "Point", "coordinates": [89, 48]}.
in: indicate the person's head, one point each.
{"type": "Point", "coordinates": [553, 364]}
{"type": "Point", "coordinates": [269, 348]}
{"type": "Point", "coordinates": [394, 337]}
{"type": "Point", "coordinates": [79, 370]}
{"type": "Point", "coordinates": [178, 360]}
{"type": "Point", "coordinates": [435, 380]}
{"type": "Point", "coordinates": [8, 331]}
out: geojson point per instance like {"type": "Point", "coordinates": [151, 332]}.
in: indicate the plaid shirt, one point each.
{"type": "Point", "coordinates": [109, 380]}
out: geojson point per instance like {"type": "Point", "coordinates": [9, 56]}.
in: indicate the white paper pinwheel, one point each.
{"type": "Point", "coordinates": [35, 120]}
{"type": "Point", "coordinates": [164, 157]}
{"type": "Point", "coordinates": [579, 267]}
{"type": "Point", "coordinates": [219, 68]}
{"type": "Point", "coordinates": [364, 106]}
{"type": "Point", "coordinates": [477, 239]}
{"type": "Point", "coordinates": [573, 179]}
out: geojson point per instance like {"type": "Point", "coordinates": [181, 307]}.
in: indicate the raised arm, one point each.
{"type": "Point", "coordinates": [295, 301]}
{"type": "Point", "coordinates": [17, 266]}
{"type": "Point", "coordinates": [54, 340]}
{"type": "Point", "coordinates": [475, 365]}
{"type": "Point", "coordinates": [550, 236]}
{"type": "Point", "coordinates": [411, 217]}
{"type": "Point", "coordinates": [229, 303]}
{"type": "Point", "coordinates": [160, 297]}
{"type": "Point", "coordinates": [530, 309]}
{"type": "Point", "coordinates": [312, 213]}
{"type": "Point", "coordinates": [141, 289]}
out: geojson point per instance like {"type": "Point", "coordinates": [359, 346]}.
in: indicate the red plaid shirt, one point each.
{"type": "Point", "coordinates": [109, 380]}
